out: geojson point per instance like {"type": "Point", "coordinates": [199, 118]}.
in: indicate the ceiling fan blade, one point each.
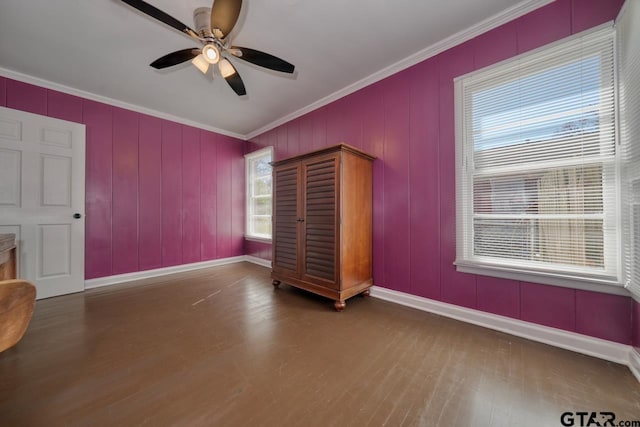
{"type": "Point", "coordinates": [161, 16]}
{"type": "Point", "coordinates": [224, 15]}
{"type": "Point", "coordinates": [234, 80]}
{"type": "Point", "coordinates": [262, 59]}
{"type": "Point", "coordinates": [175, 58]}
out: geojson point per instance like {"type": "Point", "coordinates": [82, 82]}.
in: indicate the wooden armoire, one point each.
{"type": "Point", "coordinates": [322, 222]}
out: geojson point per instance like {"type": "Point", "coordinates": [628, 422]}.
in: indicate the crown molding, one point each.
{"type": "Point", "coordinates": [25, 78]}
{"type": "Point", "coordinates": [490, 23]}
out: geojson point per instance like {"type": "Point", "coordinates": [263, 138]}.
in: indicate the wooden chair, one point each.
{"type": "Point", "coordinates": [17, 300]}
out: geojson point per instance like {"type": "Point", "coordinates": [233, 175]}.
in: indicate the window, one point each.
{"type": "Point", "coordinates": [259, 194]}
{"type": "Point", "coordinates": [628, 50]}
{"type": "Point", "coordinates": [536, 168]}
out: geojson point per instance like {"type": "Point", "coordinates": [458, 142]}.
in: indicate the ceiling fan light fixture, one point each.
{"type": "Point", "coordinates": [213, 28]}
{"type": "Point", "coordinates": [226, 69]}
{"type": "Point", "coordinates": [201, 63]}
{"type": "Point", "coordinates": [211, 54]}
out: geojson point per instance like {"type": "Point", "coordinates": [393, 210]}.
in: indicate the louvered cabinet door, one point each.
{"type": "Point", "coordinates": [320, 227]}
{"type": "Point", "coordinates": [286, 224]}
{"type": "Point", "coordinates": [322, 222]}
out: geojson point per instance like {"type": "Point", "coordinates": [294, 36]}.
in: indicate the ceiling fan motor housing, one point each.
{"type": "Point", "coordinates": [202, 21]}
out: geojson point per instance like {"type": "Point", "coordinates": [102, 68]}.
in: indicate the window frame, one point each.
{"type": "Point", "coordinates": [627, 30]}
{"type": "Point", "coordinates": [466, 261]}
{"type": "Point", "coordinates": [249, 197]}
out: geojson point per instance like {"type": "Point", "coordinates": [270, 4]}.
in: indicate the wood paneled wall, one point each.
{"type": "Point", "coordinates": [636, 325]}
{"type": "Point", "coordinates": [407, 121]}
{"type": "Point", "coordinates": [158, 193]}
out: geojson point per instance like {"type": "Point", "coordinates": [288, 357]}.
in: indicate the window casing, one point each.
{"type": "Point", "coordinates": [537, 177]}
{"type": "Point", "coordinates": [259, 194]}
{"type": "Point", "coordinates": [628, 51]}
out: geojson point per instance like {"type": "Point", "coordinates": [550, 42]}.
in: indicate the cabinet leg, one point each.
{"type": "Point", "coordinates": [339, 305]}
{"type": "Point", "coordinates": [275, 283]}
{"type": "Point", "coordinates": [366, 293]}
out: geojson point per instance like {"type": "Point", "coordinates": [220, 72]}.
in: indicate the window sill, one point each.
{"type": "Point", "coordinates": [601, 285]}
{"type": "Point", "coordinates": [257, 239]}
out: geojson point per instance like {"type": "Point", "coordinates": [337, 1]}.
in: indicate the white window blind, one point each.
{"type": "Point", "coordinates": [628, 30]}
{"type": "Point", "coordinates": [536, 170]}
{"type": "Point", "coordinates": [259, 190]}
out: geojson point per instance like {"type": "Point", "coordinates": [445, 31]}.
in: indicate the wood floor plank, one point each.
{"type": "Point", "coordinates": [221, 347]}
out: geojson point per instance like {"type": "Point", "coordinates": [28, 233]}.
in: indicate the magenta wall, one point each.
{"type": "Point", "coordinates": [636, 325]}
{"type": "Point", "coordinates": [158, 193]}
{"type": "Point", "coordinates": [257, 249]}
{"type": "Point", "coordinates": [407, 121]}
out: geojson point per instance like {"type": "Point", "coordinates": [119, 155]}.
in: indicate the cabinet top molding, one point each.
{"type": "Point", "coordinates": [326, 150]}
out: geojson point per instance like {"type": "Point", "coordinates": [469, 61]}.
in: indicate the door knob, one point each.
{"type": "Point", "coordinates": [77, 215]}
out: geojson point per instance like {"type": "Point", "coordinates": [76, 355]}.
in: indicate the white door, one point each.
{"type": "Point", "coordinates": [42, 198]}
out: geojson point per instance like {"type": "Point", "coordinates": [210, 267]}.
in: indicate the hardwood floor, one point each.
{"type": "Point", "coordinates": [222, 347]}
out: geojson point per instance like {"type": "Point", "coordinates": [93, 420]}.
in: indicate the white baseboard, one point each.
{"type": "Point", "coordinates": [138, 275]}
{"type": "Point", "coordinates": [634, 363]}
{"type": "Point", "coordinates": [156, 272]}
{"type": "Point", "coordinates": [603, 349]}
{"type": "Point", "coordinates": [259, 261]}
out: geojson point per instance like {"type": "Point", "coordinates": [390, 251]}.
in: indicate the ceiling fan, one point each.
{"type": "Point", "coordinates": [213, 26]}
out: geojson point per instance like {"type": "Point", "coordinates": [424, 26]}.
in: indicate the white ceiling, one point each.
{"type": "Point", "coordinates": [103, 47]}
